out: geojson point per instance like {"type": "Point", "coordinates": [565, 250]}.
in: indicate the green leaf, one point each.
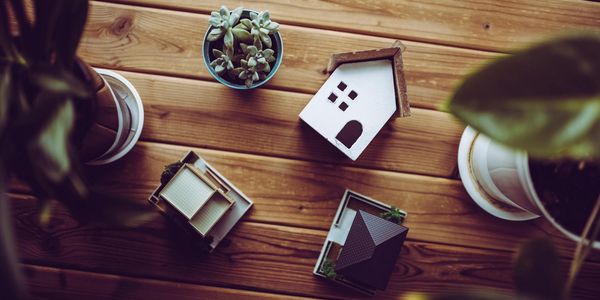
{"type": "Point", "coordinates": [252, 50]}
{"type": "Point", "coordinates": [224, 12]}
{"type": "Point", "coordinates": [215, 34]}
{"type": "Point", "coordinates": [51, 145]}
{"type": "Point", "coordinates": [237, 71]}
{"type": "Point", "coordinates": [253, 15]}
{"type": "Point", "coordinates": [545, 100]}
{"type": "Point", "coordinates": [537, 271]}
{"type": "Point", "coordinates": [219, 69]}
{"type": "Point", "coordinates": [6, 92]}
{"type": "Point", "coordinates": [229, 52]}
{"type": "Point", "coordinates": [257, 43]}
{"type": "Point", "coordinates": [265, 16]}
{"type": "Point", "coordinates": [68, 32]}
{"type": "Point", "coordinates": [251, 62]}
{"type": "Point", "coordinates": [265, 39]}
{"type": "Point", "coordinates": [235, 16]}
{"type": "Point", "coordinates": [242, 35]}
{"type": "Point", "coordinates": [245, 23]}
{"type": "Point", "coordinates": [268, 53]}
{"type": "Point", "coordinates": [217, 53]}
{"type": "Point", "coordinates": [214, 20]}
{"type": "Point", "coordinates": [272, 27]}
{"type": "Point", "coordinates": [58, 81]}
{"type": "Point", "coordinates": [228, 40]}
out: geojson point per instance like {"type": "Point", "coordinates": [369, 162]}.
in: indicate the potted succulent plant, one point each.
{"type": "Point", "coordinates": [242, 48]}
{"type": "Point", "coordinates": [56, 112]}
{"type": "Point", "coordinates": [533, 143]}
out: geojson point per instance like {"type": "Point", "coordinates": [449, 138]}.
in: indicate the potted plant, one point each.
{"type": "Point", "coordinates": [533, 142]}
{"type": "Point", "coordinates": [55, 113]}
{"type": "Point", "coordinates": [242, 48]}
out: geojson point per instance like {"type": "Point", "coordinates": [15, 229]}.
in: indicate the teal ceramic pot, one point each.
{"type": "Point", "coordinates": [208, 57]}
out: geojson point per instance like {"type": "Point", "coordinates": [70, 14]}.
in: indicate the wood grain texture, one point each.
{"type": "Point", "coordinates": [50, 283]}
{"type": "Point", "coordinates": [490, 25]}
{"type": "Point", "coordinates": [266, 122]}
{"type": "Point", "coordinates": [270, 258]}
{"type": "Point", "coordinates": [167, 42]}
{"type": "Point", "coordinates": [304, 194]}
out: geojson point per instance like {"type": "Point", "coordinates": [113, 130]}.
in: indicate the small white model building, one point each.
{"type": "Point", "coordinates": [200, 200]}
{"type": "Point", "coordinates": [365, 89]}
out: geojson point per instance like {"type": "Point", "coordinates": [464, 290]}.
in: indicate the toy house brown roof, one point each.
{"type": "Point", "coordinates": [370, 251]}
{"type": "Point", "coordinates": [394, 54]}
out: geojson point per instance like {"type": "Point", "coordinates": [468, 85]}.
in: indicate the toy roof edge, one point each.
{"type": "Point", "coordinates": [393, 53]}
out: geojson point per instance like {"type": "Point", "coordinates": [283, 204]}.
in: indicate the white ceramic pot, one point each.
{"type": "Point", "coordinates": [130, 114]}
{"type": "Point", "coordinates": [497, 178]}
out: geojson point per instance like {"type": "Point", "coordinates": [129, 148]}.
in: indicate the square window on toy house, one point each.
{"type": "Point", "coordinates": [343, 106]}
{"type": "Point", "coordinates": [352, 95]}
{"type": "Point", "coordinates": [332, 97]}
{"type": "Point", "coordinates": [342, 86]}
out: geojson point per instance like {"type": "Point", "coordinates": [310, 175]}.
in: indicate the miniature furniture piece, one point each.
{"type": "Point", "coordinates": [292, 174]}
{"type": "Point", "coordinates": [365, 89]}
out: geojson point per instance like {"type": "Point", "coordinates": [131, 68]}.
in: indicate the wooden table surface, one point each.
{"type": "Point", "coordinates": [294, 176]}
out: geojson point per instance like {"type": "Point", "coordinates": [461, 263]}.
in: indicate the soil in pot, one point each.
{"type": "Point", "coordinates": [568, 190]}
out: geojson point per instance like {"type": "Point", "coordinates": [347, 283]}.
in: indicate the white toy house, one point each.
{"type": "Point", "coordinates": [365, 89]}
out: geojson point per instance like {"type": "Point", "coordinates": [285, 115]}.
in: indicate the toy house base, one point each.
{"type": "Point", "coordinates": [349, 206]}
{"type": "Point", "coordinates": [226, 221]}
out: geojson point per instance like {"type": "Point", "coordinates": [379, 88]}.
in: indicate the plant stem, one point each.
{"type": "Point", "coordinates": [583, 248]}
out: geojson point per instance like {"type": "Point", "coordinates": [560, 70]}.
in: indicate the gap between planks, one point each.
{"type": "Point", "coordinates": [263, 123]}
{"type": "Point", "coordinates": [469, 24]}
{"type": "Point", "coordinates": [48, 280]}
{"type": "Point", "coordinates": [133, 38]}
{"type": "Point", "coordinates": [288, 192]}
{"type": "Point", "coordinates": [459, 265]}
{"type": "Point", "coordinates": [291, 22]}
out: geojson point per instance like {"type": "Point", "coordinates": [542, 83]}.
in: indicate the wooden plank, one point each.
{"type": "Point", "coordinates": [266, 257]}
{"type": "Point", "coordinates": [64, 284]}
{"type": "Point", "coordinates": [490, 25]}
{"type": "Point", "coordinates": [199, 113]}
{"type": "Point", "coordinates": [305, 194]}
{"type": "Point", "coordinates": [167, 42]}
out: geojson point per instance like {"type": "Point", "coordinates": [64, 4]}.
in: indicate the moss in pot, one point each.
{"type": "Point", "coordinates": [242, 48]}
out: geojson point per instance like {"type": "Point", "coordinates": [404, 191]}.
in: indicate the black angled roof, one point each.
{"type": "Point", "coordinates": [370, 251]}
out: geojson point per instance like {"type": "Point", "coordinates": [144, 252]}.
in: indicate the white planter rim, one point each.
{"type": "Point", "coordinates": [477, 193]}
{"type": "Point", "coordinates": [137, 127]}
{"type": "Point", "coordinates": [497, 208]}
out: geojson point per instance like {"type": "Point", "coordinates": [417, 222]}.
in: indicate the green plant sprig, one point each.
{"type": "Point", "coordinates": [237, 60]}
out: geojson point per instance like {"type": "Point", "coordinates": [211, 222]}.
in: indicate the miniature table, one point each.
{"type": "Point", "coordinates": [295, 178]}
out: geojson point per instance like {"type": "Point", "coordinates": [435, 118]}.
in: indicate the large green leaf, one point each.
{"type": "Point", "coordinates": [545, 100]}
{"type": "Point", "coordinates": [537, 270]}
{"type": "Point", "coordinates": [69, 30]}
{"type": "Point", "coordinates": [6, 89]}
{"type": "Point", "coordinates": [58, 81]}
{"type": "Point", "coordinates": [52, 144]}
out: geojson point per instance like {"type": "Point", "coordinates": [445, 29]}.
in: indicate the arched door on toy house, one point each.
{"type": "Point", "coordinates": [350, 133]}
